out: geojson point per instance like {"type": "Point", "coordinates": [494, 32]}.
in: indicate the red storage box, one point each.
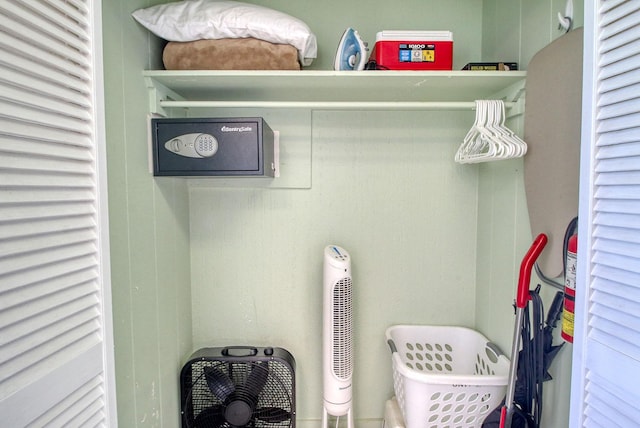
{"type": "Point", "coordinates": [413, 50]}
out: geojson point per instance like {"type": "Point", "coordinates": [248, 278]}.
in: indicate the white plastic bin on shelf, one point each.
{"type": "Point", "coordinates": [445, 376]}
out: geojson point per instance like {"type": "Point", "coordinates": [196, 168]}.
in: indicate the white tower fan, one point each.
{"type": "Point", "coordinates": [337, 343]}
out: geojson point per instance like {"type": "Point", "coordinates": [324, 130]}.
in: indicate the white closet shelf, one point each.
{"type": "Point", "coordinates": [331, 89]}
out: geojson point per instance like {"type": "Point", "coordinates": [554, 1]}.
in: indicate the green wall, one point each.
{"type": "Point", "coordinates": [519, 28]}
{"type": "Point", "coordinates": [432, 241]}
{"type": "Point", "coordinates": [329, 19]}
{"type": "Point", "coordinates": [385, 188]}
{"type": "Point", "coordinates": [149, 227]}
{"type": "Point", "coordinates": [515, 29]}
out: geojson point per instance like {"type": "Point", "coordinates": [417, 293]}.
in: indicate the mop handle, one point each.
{"type": "Point", "coordinates": [525, 269]}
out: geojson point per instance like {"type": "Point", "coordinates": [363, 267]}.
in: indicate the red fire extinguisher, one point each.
{"type": "Point", "coordinates": [568, 312]}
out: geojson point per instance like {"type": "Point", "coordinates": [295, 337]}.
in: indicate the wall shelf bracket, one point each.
{"type": "Point", "coordinates": [158, 95]}
{"type": "Point", "coordinates": [513, 96]}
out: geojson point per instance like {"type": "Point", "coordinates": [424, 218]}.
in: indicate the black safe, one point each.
{"type": "Point", "coordinates": [239, 146]}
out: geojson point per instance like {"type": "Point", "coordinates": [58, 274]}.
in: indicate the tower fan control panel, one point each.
{"type": "Point", "coordinates": [337, 253]}
{"type": "Point", "coordinates": [336, 257]}
{"type": "Point", "coordinates": [213, 147]}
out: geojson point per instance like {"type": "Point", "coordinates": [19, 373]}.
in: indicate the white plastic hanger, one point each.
{"type": "Point", "coordinates": [473, 142]}
{"type": "Point", "coordinates": [489, 139]}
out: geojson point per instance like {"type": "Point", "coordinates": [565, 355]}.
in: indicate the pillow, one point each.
{"type": "Point", "coordinates": [190, 20]}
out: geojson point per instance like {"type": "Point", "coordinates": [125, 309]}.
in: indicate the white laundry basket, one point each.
{"type": "Point", "coordinates": [446, 377]}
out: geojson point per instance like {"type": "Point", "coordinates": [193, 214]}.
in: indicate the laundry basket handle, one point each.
{"type": "Point", "coordinates": [495, 353]}
{"type": "Point", "coordinates": [525, 269]}
{"type": "Point", "coordinates": [392, 346]}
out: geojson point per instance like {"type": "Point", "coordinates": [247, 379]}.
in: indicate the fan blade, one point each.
{"type": "Point", "coordinates": [219, 383]}
{"type": "Point", "coordinates": [257, 379]}
{"type": "Point", "coordinates": [273, 415]}
{"type": "Point", "coordinates": [211, 417]}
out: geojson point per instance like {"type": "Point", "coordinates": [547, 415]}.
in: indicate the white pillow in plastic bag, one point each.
{"type": "Point", "coordinates": [190, 20]}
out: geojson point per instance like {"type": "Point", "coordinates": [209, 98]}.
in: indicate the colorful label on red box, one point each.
{"type": "Point", "coordinates": [416, 52]}
{"type": "Point", "coordinates": [413, 55]}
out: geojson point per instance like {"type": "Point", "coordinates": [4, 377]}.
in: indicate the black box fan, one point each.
{"type": "Point", "coordinates": [238, 386]}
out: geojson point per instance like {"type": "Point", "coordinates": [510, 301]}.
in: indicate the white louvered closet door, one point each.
{"type": "Point", "coordinates": [606, 374]}
{"type": "Point", "coordinates": [55, 335]}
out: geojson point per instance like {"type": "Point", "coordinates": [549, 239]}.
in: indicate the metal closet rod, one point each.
{"type": "Point", "coordinates": [355, 105]}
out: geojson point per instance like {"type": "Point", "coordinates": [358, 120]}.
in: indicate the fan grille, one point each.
{"type": "Point", "coordinates": [277, 392]}
{"type": "Point", "coordinates": [342, 329]}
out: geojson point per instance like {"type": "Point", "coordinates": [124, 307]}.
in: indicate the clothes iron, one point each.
{"type": "Point", "coordinates": [351, 52]}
